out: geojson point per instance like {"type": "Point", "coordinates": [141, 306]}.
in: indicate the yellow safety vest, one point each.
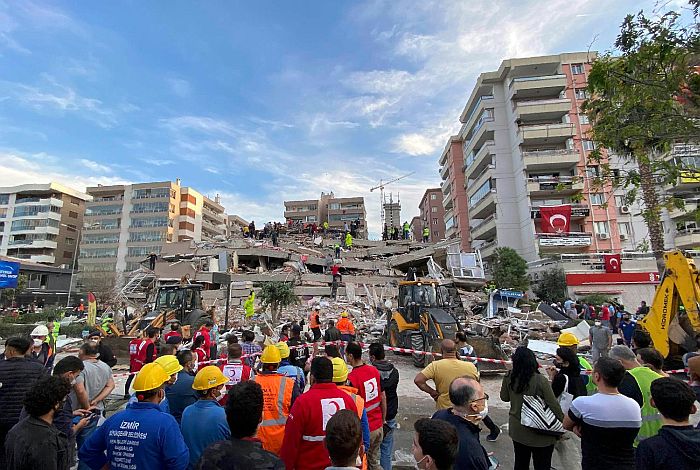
{"type": "Point", "coordinates": [651, 418]}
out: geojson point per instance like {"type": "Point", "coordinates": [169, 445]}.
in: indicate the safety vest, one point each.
{"type": "Point", "coordinates": [55, 331]}
{"type": "Point", "coordinates": [313, 320]}
{"type": "Point", "coordinates": [651, 418]}
{"type": "Point", "coordinates": [106, 322]}
{"type": "Point", "coordinates": [360, 404]}
{"type": "Point", "coordinates": [345, 326]}
{"type": "Point", "coordinates": [277, 395]}
{"type": "Point", "coordinates": [591, 388]}
{"type": "Point", "coordinates": [134, 347]}
{"type": "Point", "coordinates": [325, 225]}
{"type": "Point", "coordinates": [426, 232]}
{"type": "Point", "coordinates": [143, 348]}
{"type": "Point", "coordinates": [348, 240]}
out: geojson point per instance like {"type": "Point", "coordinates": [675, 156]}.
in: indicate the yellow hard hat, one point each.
{"type": "Point", "coordinates": [271, 355]}
{"type": "Point", "coordinates": [169, 363]}
{"type": "Point", "coordinates": [344, 314]}
{"type": "Point", "coordinates": [209, 377]}
{"type": "Point", "coordinates": [150, 377]}
{"type": "Point", "coordinates": [567, 339]}
{"type": "Point", "coordinates": [340, 370]}
{"type": "Point", "coordinates": [283, 349]}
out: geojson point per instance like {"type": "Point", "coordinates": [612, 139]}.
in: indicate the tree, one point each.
{"type": "Point", "coordinates": [277, 295]}
{"type": "Point", "coordinates": [645, 98]}
{"type": "Point", "coordinates": [509, 270]}
{"type": "Point", "coordinates": [552, 286]}
{"type": "Point", "coordinates": [8, 295]}
{"type": "Point", "coordinates": [102, 284]}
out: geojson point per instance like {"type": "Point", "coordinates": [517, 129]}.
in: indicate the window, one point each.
{"type": "Point", "coordinates": [67, 254]}
{"type": "Point", "coordinates": [624, 228]}
{"type": "Point", "coordinates": [433, 209]}
{"type": "Point", "coordinates": [593, 171]}
{"type": "Point", "coordinates": [480, 193]}
{"type": "Point", "coordinates": [619, 201]}
{"type": "Point", "coordinates": [73, 214]}
{"type": "Point", "coordinates": [75, 201]}
{"type": "Point", "coordinates": [333, 206]}
{"type": "Point", "coordinates": [583, 119]}
{"type": "Point", "coordinates": [597, 199]}
{"type": "Point", "coordinates": [602, 227]}
{"type": "Point", "coordinates": [577, 69]}
{"type": "Point", "coordinates": [4, 199]}
{"type": "Point", "coordinates": [581, 94]}
{"type": "Point", "coordinates": [588, 145]}
{"type": "Point", "coordinates": [71, 228]}
{"type": "Point", "coordinates": [433, 197]}
{"type": "Point", "coordinates": [70, 241]}
{"type": "Point", "coordinates": [151, 207]}
{"type": "Point", "coordinates": [98, 239]}
{"type": "Point", "coordinates": [154, 236]}
{"type": "Point", "coordinates": [103, 210]}
{"type": "Point", "coordinates": [435, 221]}
{"type": "Point", "coordinates": [436, 234]}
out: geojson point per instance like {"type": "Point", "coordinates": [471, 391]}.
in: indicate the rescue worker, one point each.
{"type": "Point", "coordinates": [302, 446]}
{"type": "Point", "coordinates": [337, 250]}
{"type": "Point", "coordinates": [406, 230]}
{"type": "Point", "coordinates": [347, 330]}
{"type": "Point", "coordinates": [203, 331]}
{"type": "Point", "coordinates": [204, 422]}
{"type": "Point", "coordinates": [181, 394]}
{"type": "Point", "coordinates": [289, 369]}
{"type": "Point", "coordinates": [175, 331]}
{"type": "Point", "coordinates": [569, 340]}
{"type": "Point", "coordinates": [348, 241]}
{"type": "Point", "coordinates": [298, 356]}
{"type": "Point", "coordinates": [279, 393]}
{"type": "Point", "coordinates": [54, 330]}
{"type": "Point", "coordinates": [154, 439]}
{"type": "Point", "coordinates": [340, 379]}
{"type": "Point", "coordinates": [200, 351]}
{"type": "Point", "coordinates": [172, 367]}
{"type": "Point", "coordinates": [315, 322]}
{"type": "Point", "coordinates": [249, 305]}
{"type": "Point", "coordinates": [234, 369]}
{"type": "Point", "coordinates": [134, 364]}
{"type": "Point", "coordinates": [146, 352]}
{"type": "Point", "coordinates": [426, 234]}
{"type": "Point", "coordinates": [107, 320]}
{"type": "Point", "coordinates": [41, 350]}
{"type": "Point", "coordinates": [325, 227]}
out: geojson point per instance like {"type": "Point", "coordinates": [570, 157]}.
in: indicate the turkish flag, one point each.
{"type": "Point", "coordinates": [556, 219]}
{"type": "Point", "coordinates": [613, 263]}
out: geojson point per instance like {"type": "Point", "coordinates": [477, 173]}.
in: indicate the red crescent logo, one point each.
{"type": "Point", "coordinates": [373, 387]}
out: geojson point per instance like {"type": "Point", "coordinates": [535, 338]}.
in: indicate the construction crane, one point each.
{"type": "Point", "coordinates": [380, 187]}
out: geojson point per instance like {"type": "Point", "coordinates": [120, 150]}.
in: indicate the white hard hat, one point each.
{"type": "Point", "coordinates": [40, 330]}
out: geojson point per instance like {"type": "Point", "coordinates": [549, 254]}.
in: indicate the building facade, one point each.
{"type": "Point", "coordinates": [337, 211]}
{"type": "Point", "coordinates": [41, 222]}
{"type": "Point", "coordinates": [454, 193]}
{"type": "Point", "coordinates": [126, 223]}
{"type": "Point", "coordinates": [234, 225]}
{"type": "Point", "coordinates": [432, 214]}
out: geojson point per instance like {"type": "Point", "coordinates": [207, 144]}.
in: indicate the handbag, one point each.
{"type": "Point", "coordinates": [536, 415]}
{"type": "Point", "coordinates": [565, 398]}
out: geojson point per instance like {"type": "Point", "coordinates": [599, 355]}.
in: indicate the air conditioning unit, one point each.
{"type": "Point", "coordinates": [624, 209]}
{"type": "Point", "coordinates": [603, 236]}
{"type": "Point", "coordinates": [623, 236]}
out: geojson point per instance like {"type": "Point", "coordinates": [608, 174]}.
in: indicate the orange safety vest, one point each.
{"type": "Point", "coordinates": [360, 404]}
{"type": "Point", "coordinates": [277, 395]}
{"type": "Point", "coordinates": [313, 320]}
{"type": "Point", "coordinates": [345, 326]}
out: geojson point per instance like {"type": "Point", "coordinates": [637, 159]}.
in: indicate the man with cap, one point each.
{"type": "Point", "coordinates": [41, 350]}
{"type": "Point", "coordinates": [315, 322]}
{"type": "Point", "coordinates": [569, 340]}
{"type": "Point", "coordinates": [105, 353]}
{"type": "Point", "coordinates": [289, 369]}
{"type": "Point", "coordinates": [340, 379]}
{"type": "Point", "coordinates": [204, 422]}
{"type": "Point", "coordinates": [279, 393]}
{"type": "Point", "coordinates": [142, 436]}
{"type": "Point", "coordinates": [347, 329]}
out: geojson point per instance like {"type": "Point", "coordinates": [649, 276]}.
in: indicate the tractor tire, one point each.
{"type": "Point", "coordinates": [418, 344]}
{"type": "Point", "coordinates": [393, 336]}
{"type": "Point", "coordinates": [196, 319]}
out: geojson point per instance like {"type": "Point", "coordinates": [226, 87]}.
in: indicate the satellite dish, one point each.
{"type": "Point", "coordinates": [388, 304]}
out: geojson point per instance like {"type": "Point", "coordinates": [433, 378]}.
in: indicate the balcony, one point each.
{"type": "Point", "coordinates": [33, 244]}
{"type": "Point", "coordinates": [546, 134]}
{"type": "Point", "coordinates": [541, 160]}
{"type": "Point", "coordinates": [473, 185]}
{"type": "Point", "coordinates": [482, 132]}
{"type": "Point", "coordinates": [36, 229]}
{"type": "Point", "coordinates": [447, 201]}
{"type": "Point", "coordinates": [538, 87]}
{"type": "Point", "coordinates": [484, 230]}
{"type": "Point", "coordinates": [476, 162]}
{"type": "Point", "coordinates": [557, 242]}
{"type": "Point", "coordinates": [444, 171]}
{"type": "Point", "coordinates": [554, 186]}
{"type": "Point", "coordinates": [477, 111]}
{"type": "Point", "coordinates": [688, 239]}
{"type": "Point", "coordinates": [542, 110]}
{"type": "Point", "coordinates": [578, 211]}
{"type": "Point", "coordinates": [691, 206]}
{"type": "Point", "coordinates": [38, 201]}
{"type": "Point", "coordinates": [484, 206]}
{"type": "Point", "coordinates": [45, 259]}
{"type": "Point", "coordinates": [487, 249]}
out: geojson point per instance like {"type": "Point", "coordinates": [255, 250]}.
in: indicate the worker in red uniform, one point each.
{"type": "Point", "coordinates": [367, 380]}
{"type": "Point", "coordinates": [200, 351]}
{"type": "Point", "coordinates": [302, 447]}
{"type": "Point", "coordinates": [145, 354]}
{"type": "Point", "coordinates": [315, 322]}
{"type": "Point", "coordinates": [134, 364]}
{"type": "Point", "coordinates": [203, 331]}
{"type": "Point", "coordinates": [174, 331]}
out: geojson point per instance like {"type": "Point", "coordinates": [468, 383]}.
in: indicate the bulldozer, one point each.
{"type": "Point", "coordinates": [673, 321]}
{"type": "Point", "coordinates": [422, 318]}
{"type": "Point", "coordinates": [181, 302]}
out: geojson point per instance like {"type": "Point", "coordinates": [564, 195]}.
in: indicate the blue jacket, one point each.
{"type": "Point", "coordinates": [142, 436]}
{"type": "Point", "coordinates": [203, 423]}
{"type": "Point", "coordinates": [164, 405]}
{"type": "Point", "coordinates": [180, 395]}
{"type": "Point", "coordinates": [293, 372]}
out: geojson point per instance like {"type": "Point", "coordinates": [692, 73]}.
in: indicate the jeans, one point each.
{"type": "Point", "coordinates": [387, 447]}
{"type": "Point", "coordinates": [375, 441]}
{"type": "Point", "coordinates": [83, 436]}
{"type": "Point", "coordinates": [541, 457]}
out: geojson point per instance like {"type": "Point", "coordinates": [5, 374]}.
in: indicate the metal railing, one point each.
{"type": "Point", "coordinates": [532, 79]}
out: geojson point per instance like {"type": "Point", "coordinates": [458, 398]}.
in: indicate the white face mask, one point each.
{"type": "Point", "coordinates": [420, 461]}
{"type": "Point", "coordinates": [37, 342]}
{"type": "Point", "coordinates": [598, 323]}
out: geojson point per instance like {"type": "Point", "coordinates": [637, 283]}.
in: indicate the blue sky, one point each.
{"type": "Point", "coordinates": [261, 101]}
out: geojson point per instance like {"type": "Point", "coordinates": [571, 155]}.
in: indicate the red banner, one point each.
{"type": "Point", "coordinates": [613, 263]}
{"type": "Point", "coordinates": [556, 219]}
{"type": "Point", "coordinates": [609, 279]}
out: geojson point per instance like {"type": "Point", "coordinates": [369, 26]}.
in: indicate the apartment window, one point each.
{"type": "Point", "coordinates": [104, 210]}
{"type": "Point", "coordinates": [602, 227]}
{"type": "Point", "coordinates": [98, 253]}
{"type": "Point", "coordinates": [4, 199]}
{"type": "Point", "coordinates": [581, 94]}
{"type": "Point", "coordinates": [436, 234]}
{"type": "Point", "coordinates": [73, 214]}
{"type": "Point", "coordinates": [70, 241]}
{"type": "Point", "coordinates": [152, 236]}
{"type": "Point", "coordinates": [71, 228]}
{"type": "Point", "coordinates": [135, 251]}
{"type": "Point", "coordinates": [577, 69]}
{"type": "Point", "coordinates": [583, 119]}
{"type": "Point", "coordinates": [433, 197]}
{"type": "Point", "coordinates": [588, 145]}
{"type": "Point", "coordinates": [67, 254]}
{"type": "Point", "coordinates": [433, 209]}
{"type": "Point", "coordinates": [619, 201]}
{"type": "Point", "coordinates": [597, 199]}
{"type": "Point", "coordinates": [435, 221]}
{"type": "Point", "coordinates": [624, 228]}
{"type": "Point", "coordinates": [152, 207]}
{"type": "Point", "coordinates": [75, 201]}
{"type": "Point", "coordinates": [151, 222]}
{"type": "Point", "coordinates": [3, 212]}
{"type": "Point", "coordinates": [333, 206]}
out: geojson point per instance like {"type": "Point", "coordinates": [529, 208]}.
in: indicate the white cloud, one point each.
{"type": "Point", "coordinates": [179, 87]}
{"type": "Point", "coordinates": [159, 162]}
{"type": "Point", "coordinates": [94, 166]}
{"type": "Point", "coordinates": [199, 123]}
{"type": "Point", "coordinates": [415, 144]}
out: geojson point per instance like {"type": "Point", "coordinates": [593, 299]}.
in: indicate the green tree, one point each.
{"type": "Point", "coordinates": [509, 270]}
{"type": "Point", "coordinates": [645, 98]}
{"type": "Point", "coordinates": [7, 296]}
{"type": "Point", "coordinates": [551, 286]}
{"type": "Point", "coordinates": [277, 295]}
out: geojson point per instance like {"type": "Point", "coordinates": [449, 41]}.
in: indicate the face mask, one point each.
{"type": "Point", "coordinates": [420, 461]}
{"type": "Point", "coordinates": [163, 398]}
{"type": "Point", "coordinates": [598, 323]}
{"type": "Point", "coordinates": [482, 414]}
{"type": "Point", "coordinates": [174, 381]}
{"type": "Point", "coordinates": [37, 342]}
{"type": "Point", "coordinates": [558, 364]}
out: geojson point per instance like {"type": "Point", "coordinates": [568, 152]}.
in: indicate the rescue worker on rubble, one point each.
{"type": "Point", "coordinates": [348, 241]}
{"type": "Point", "coordinates": [289, 369]}
{"type": "Point", "coordinates": [569, 340]}
{"type": "Point", "coordinates": [158, 442]}
{"type": "Point", "coordinates": [406, 230]}
{"type": "Point", "coordinates": [302, 447]}
{"type": "Point", "coordinates": [41, 350]}
{"type": "Point", "coordinates": [426, 234]}
{"type": "Point", "coordinates": [337, 250]}
{"type": "Point", "coordinates": [340, 379]}
{"type": "Point", "coordinates": [204, 421]}
{"type": "Point", "coordinates": [279, 393]}
{"type": "Point", "coordinates": [346, 328]}
{"type": "Point", "coordinates": [315, 322]}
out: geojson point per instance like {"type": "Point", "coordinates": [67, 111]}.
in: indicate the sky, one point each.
{"type": "Point", "coordinates": [262, 101]}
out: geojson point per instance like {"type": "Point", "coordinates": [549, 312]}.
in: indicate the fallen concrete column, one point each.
{"type": "Point", "coordinates": [316, 291]}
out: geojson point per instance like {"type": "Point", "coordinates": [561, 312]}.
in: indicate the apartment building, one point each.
{"type": "Point", "coordinates": [454, 193]}
{"type": "Point", "coordinates": [234, 224]}
{"type": "Point", "coordinates": [41, 222]}
{"type": "Point", "coordinates": [125, 223]}
{"type": "Point", "coordinates": [432, 214]}
{"type": "Point", "coordinates": [525, 147]}
{"type": "Point", "coordinates": [337, 211]}
{"type": "Point", "coordinates": [681, 228]}
{"type": "Point", "coordinates": [417, 228]}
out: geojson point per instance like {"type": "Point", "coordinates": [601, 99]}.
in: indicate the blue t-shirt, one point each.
{"type": "Point", "coordinates": [203, 423]}
{"type": "Point", "coordinates": [180, 395]}
{"type": "Point", "coordinates": [627, 329]}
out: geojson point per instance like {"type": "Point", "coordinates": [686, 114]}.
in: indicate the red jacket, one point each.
{"type": "Point", "coordinates": [236, 372]}
{"type": "Point", "coordinates": [202, 356]}
{"type": "Point", "coordinates": [141, 358]}
{"type": "Point", "coordinates": [302, 447]}
{"type": "Point", "coordinates": [207, 339]}
{"type": "Point", "coordinates": [134, 347]}
{"type": "Point", "coordinates": [170, 334]}
{"type": "Point", "coordinates": [367, 381]}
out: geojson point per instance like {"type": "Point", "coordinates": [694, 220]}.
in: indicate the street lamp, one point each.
{"type": "Point", "coordinates": [75, 256]}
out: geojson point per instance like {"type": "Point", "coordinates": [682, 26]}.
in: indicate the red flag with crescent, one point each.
{"type": "Point", "coordinates": [613, 263]}
{"type": "Point", "coordinates": [556, 219]}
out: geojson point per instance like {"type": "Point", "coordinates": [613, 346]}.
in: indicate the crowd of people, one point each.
{"type": "Point", "coordinates": [283, 404]}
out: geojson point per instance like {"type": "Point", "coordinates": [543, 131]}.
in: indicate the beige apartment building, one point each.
{"type": "Point", "coordinates": [337, 211]}
{"type": "Point", "coordinates": [41, 222]}
{"type": "Point", "coordinates": [125, 223]}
